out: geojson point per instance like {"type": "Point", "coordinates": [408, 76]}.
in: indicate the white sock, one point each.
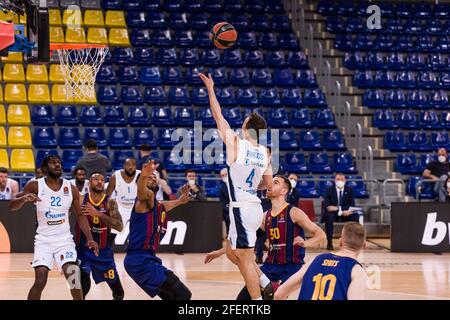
{"type": "Point", "coordinates": [260, 298]}
{"type": "Point", "coordinates": [263, 281]}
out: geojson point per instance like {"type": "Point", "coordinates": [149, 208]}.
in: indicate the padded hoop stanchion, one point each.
{"type": "Point", "coordinates": [6, 34]}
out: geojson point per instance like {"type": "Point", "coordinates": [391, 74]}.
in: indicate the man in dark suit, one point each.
{"type": "Point", "coordinates": [294, 195]}
{"type": "Point", "coordinates": [224, 197]}
{"type": "Point", "coordinates": [338, 200]}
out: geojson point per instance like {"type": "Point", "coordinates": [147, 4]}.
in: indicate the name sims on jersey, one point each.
{"type": "Point", "coordinates": [330, 263]}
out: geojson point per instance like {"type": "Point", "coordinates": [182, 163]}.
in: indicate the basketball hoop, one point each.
{"type": "Point", "coordinates": [80, 63]}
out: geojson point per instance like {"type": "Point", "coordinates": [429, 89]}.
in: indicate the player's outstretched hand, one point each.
{"type": "Point", "coordinates": [89, 210]}
{"type": "Point", "coordinates": [184, 196]}
{"type": "Point", "coordinates": [31, 197]}
{"type": "Point", "coordinates": [207, 80]}
{"type": "Point", "coordinates": [299, 241]}
{"type": "Point", "coordinates": [149, 168]}
{"type": "Point", "coordinates": [94, 246]}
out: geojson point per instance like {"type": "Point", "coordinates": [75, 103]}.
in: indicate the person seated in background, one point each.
{"type": "Point", "coordinates": [8, 187]}
{"type": "Point", "coordinates": [338, 199]}
{"type": "Point", "coordinates": [196, 192]}
{"type": "Point", "coordinates": [37, 174]}
{"type": "Point", "coordinates": [438, 171]}
{"type": "Point", "coordinates": [294, 195]}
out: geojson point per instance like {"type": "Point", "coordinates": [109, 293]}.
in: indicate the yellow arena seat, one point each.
{"type": "Point", "coordinates": [38, 93]}
{"type": "Point", "coordinates": [13, 57]}
{"type": "Point", "coordinates": [2, 114]}
{"type": "Point", "coordinates": [3, 140]}
{"type": "Point", "coordinates": [75, 35]}
{"type": "Point", "coordinates": [22, 160]}
{"type": "Point", "coordinates": [86, 100]}
{"type": "Point", "coordinates": [119, 37]}
{"type": "Point", "coordinates": [56, 35]}
{"type": "Point", "coordinates": [10, 16]}
{"type": "Point", "coordinates": [4, 159]}
{"type": "Point", "coordinates": [1, 94]}
{"type": "Point", "coordinates": [59, 94]}
{"type": "Point", "coordinates": [54, 17]}
{"type": "Point", "coordinates": [18, 114]}
{"type": "Point", "coordinates": [97, 35]}
{"type": "Point", "coordinates": [23, 19]}
{"type": "Point", "coordinates": [13, 72]}
{"type": "Point", "coordinates": [56, 75]}
{"type": "Point", "coordinates": [19, 137]}
{"type": "Point", "coordinates": [94, 18]}
{"type": "Point", "coordinates": [115, 18]}
{"type": "Point", "coordinates": [72, 18]}
{"type": "Point", "coordinates": [0, 74]}
{"type": "Point", "coordinates": [15, 93]}
{"type": "Point", "coordinates": [37, 73]}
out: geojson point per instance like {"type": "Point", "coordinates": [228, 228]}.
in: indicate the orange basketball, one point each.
{"type": "Point", "coordinates": [223, 35]}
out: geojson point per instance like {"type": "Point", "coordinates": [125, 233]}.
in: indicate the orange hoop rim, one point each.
{"type": "Point", "coordinates": [75, 46]}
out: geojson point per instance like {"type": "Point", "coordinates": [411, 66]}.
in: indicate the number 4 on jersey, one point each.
{"type": "Point", "coordinates": [249, 179]}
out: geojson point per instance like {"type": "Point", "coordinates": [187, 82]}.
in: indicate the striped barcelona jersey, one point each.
{"type": "Point", "coordinates": [100, 231]}
{"type": "Point", "coordinates": [281, 232]}
{"type": "Point", "coordinates": [147, 229]}
{"type": "Point", "coordinates": [327, 278]}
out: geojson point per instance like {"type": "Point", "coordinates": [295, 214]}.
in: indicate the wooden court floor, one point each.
{"type": "Point", "coordinates": [391, 276]}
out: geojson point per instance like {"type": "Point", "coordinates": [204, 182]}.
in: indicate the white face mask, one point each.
{"type": "Point", "coordinates": [340, 184]}
{"type": "Point", "coordinates": [442, 159]}
{"type": "Point", "coordinates": [191, 182]}
{"type": "Point", "coordinates": [225, 179]}
{"type": "Point", "coordinates": [448, 185]}
{"type": "Point", "coordinates": [293, 183]}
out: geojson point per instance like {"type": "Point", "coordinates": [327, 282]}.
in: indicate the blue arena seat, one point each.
{"type": "Point", "coordinates": [343, 162]}
{"type": "Point", "coordinates": [288, 140]}
{"type": "Point", "coordinates": [233, 6]}
{"type": "Point", "coordinates": [307, 188]}
{"type": "Point", "coordinates": [407, 164]}
{"type": "Point", "coordinates": [233, 58]}
{"type": "Point", "coordinates": [131, 95]}
{"type": "Point", "coordinates": [143, 136]}
{"type": "Point", "coordinates": [395, 141]}
{"type": "Point", "coordinates": [268, 41]}
{"type": "Point", "coordinates": [296, 163]}
{"type": "Point", "coordinates": [162, 116]}
{"type": "Point", "coordinates": [174, 162]}
{"type": "Point", "coordinates": [269, 97]}
{"type": "Point", "coordinates": [429, 120]}
{"type": "Point", "coordinates": [314, 98]}
{"type": "Point", "coordinates": [310, 140]}
{"type": "Point", "coordinates": [323, 118]}
{"type": "Point", "coordinates": [167, 56]}
{"type": "Point", "coordinates": [165, 138]}
{"type": "Point", "coordinates": [247, 97]}
{"type": "Point", "coordinates": [418, 141]}
{"type": "Point", "coordinates": [358, 186]}
{"type": "Point", "coordinates": [288, 41]}
{"type": "Point", "coordinates": [200, 96]}
{"type": "Point", "coordinates": [205, 116]}
{"type": "Point", "coordinates": [138, 116]}
{"type": "Point", "coordinates": [192, 77]}
{"type": "Point", "coordinates": [254, 58]}
{"type": "Point", "coordinates": [407, 119]}
{"type": "Point", "coordinates": [239, 76]}
{"type": "Point", "coordinates": [70, 158]}
{"type": "Point", "coordinates": [44, 138]}
{"type": "Point", "coordinates": [226, 96]}
{"type": "Point", "coordinates": [276, 59]}
{"type": "Point", "coordinates": [97, 134]}
{"type": "Point", "coordinates": [283, 77]}
{"type": "Point", "coordinates": [278, 117]}
{"type": "Point", "coordinates": [155, 95]}
{"type": "Point", "coordinates": [161, 38]}
{"type": "Point", "coordinates": [69, 138]}
{"type": "Point", "coordinates": [108, 95]}
{"type": "Point", "coordinates": [119, 158]}
{"type": "Point", "coordinates": [233, 116]}
{"type": "Point", "coordinates": [144, 56]}
{"type": "Point", "coordinates": [119, 138]}
{"type": "Point", "coordinates": [141, 37]}
{"type": "Point", "coordinates": [128, 75]}
{"type": "Point", "coordinates": [305, 78]}
{"type": "Point", "coordinates": [173, 76]}
{"type": "Point", "coordinates": [189, 56]}
{"type": "Point", "coordinates": [106, 75]}
{"type": "Point", "coordinates": [301, 118]}
{"type": "Point", "coordinates": [156, 20]}
{"type": "Point", "coordinates": [184, 38]}
{"type": "Point", "coordinates": [291, 97]}
{"type": "Point", "coordinates": [114, 116]}
{"type": "Point", "coordinates": [384, 119]}
{"type": "Point", "coordinates": [184, 116]}
{"type": "Point", "coordinates": [319, 163]}
{"type": "Point", "coordinates": [440, 140]}
{"type": "Point", "coordinates": [91, 116]}
{"type": "Point", "coordinates": [178, 20]}
{"type": "Point", "coordinates": [123, 56]}
{"type": "Point", "coordinates": [42, 153]}
{"type": "Point", "coordinates": [219, 75]}
{"type": "Point", "coordinates": [333, 140]}
{"type": "Point", "coordinates": [42, 115]}
{"type": "Point", "coordinates": [247, 40]}
{"type": "Point", "coordinates": [67, 116]}
{"type": "Point", "coordinates": [179, 95]}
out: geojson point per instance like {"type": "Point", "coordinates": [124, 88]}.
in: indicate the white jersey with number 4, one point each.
{"type": "Point", "coordinates": [53, 212]}
{"type": "Point", "coordinates": [246, 173]}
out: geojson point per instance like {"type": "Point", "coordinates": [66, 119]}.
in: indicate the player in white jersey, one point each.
{"type": "Point", "coordinates": [249, 170]}
{"type": "Point", "coordinates": [8, 187]}
{"type": "Point", "coordinates": [80, 181]}
{"type": "Point", "coordinates": [123, 188]}
{"type": "Point", "coordinates": [53, 197]}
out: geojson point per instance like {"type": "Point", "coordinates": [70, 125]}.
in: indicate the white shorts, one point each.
{"type": "Point", "coordinates": [244, 222]}
{"type": "Point", "coordinates": [60, 252]}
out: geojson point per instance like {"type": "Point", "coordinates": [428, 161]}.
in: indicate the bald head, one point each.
{"type": "Point", "coordinates": [130, 167]}
{"type": "Point", "coordinates": [224, 174]}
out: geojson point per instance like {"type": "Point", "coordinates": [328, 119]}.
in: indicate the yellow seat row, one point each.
{"type": "Point", "coordinates": [92, 18]}
{"type": "Point", "coordinates": [116, 37]}
{"type": "Point", "coordinates": [18, 137]}
{"type": "Point", "coordinates": [22, 160]}
{"type": "Point", "coordinates": [36, 73]}
{"type": "Point", "coordinates": [18, 114]}
{"type": "Point", "coordinates": [16, 93]}
{"type": "Point", "coordinates": [12, 17]}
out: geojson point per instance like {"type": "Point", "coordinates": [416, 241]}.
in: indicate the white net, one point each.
{"type": "Point", "coordinates": [80, 67]}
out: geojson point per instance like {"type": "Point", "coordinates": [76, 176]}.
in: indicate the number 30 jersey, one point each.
{"type": "Point", "coordinates": [245, 174]}
{"type": "Point", "coordinates": [53, 212]}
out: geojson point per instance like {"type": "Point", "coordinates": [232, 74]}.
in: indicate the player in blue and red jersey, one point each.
{"type": "Point", "coordinates": [333, 276]}
{"type": "Point", "coordinates": [148, 225]}
{"type": "Point", "coordinates": [102, 214]}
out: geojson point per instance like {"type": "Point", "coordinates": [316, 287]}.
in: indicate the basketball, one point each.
{"type": "Point", "coordinates": [223, 35]}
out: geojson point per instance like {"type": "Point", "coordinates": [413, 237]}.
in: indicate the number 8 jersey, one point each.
{"type": "Point", "coordinates": [246, 172]}
{"type": "Point", "coordinates": [53, 212]}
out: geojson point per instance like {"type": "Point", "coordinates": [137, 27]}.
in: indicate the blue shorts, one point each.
{"type": "Point", "coordinates": [277, 272]}
{"type": "Point", "coordinates": [103, 267]}
{"type": "Point", "coordinates": [146, 270]}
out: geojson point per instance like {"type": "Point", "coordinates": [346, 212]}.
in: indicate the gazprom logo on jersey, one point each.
{"type": "Point", "coordinates": [206, 147]}
{"type": "Point", "coordinates": [50, 215]}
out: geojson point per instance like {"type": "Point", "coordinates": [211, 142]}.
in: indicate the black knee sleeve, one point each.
{"type": "Point", "coordinates": [117, 290]}
{"type": "Point", "coordinates": [174, 289]}
{"type": "Point", "coordinates": [85, 280]}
